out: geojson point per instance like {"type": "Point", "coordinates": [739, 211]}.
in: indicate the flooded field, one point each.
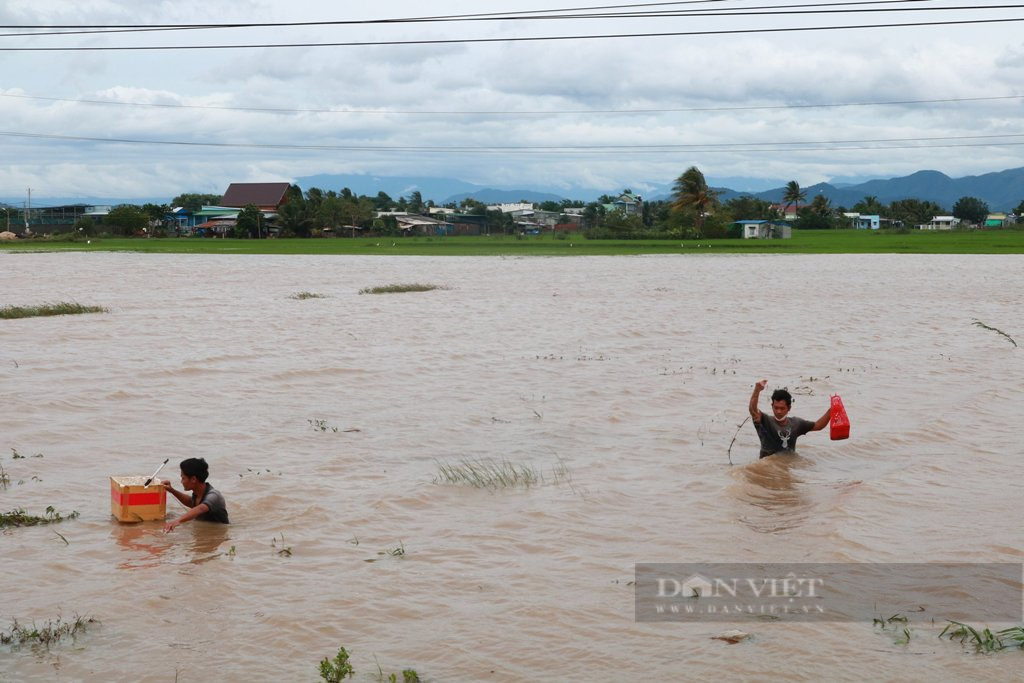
{"type": "Point", "coordinates": [618, 384]}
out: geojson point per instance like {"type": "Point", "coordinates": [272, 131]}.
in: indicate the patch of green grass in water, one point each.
{"type": "Point", "coordinates": [398, 289]}
{"type": "Point", "coordinates": [983, 639]}
{"type": "Point", "coordinates": [48, 634]}
{"type": "Point", "coordinates": [21, 518]}
{"type": "Point", "coordinates": [65, 308]}
{"type": "Point", "coordinates": [486, 473]}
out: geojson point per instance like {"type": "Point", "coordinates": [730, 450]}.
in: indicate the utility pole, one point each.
{"type": "Point", "coordinates": [28, 208]}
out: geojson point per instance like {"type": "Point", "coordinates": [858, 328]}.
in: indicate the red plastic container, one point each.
{"type": "Point", "coordinates": [840, 424]}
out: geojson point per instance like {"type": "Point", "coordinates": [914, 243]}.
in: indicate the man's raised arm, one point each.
{"type": "Point", "coordinates": [755, 413]}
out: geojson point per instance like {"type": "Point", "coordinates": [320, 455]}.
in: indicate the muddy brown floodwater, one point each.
{"type": "Point", "coordinates": [621, 381]}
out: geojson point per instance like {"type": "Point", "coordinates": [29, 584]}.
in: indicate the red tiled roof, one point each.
{"type": "Point", "coordinates": [267, 196]}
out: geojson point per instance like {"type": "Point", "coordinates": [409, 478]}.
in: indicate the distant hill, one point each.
{"type": "Point", "coordinates": [441, 190]}
{"type": "Point", "coordinates": [40, 202]}
{"type": "Point", "coordinates": [1002, 190]}
{"type": "Point", "coordinates": [489, 196]}
{"type": "Point", "coordinates": [393, 186]}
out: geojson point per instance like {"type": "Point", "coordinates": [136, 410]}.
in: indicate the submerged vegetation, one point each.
{"type": "Point", "coordinates": [398, 288]}
{"type": "Point", "coordinates": [982, 639]}
{"type": "Point", "coordinates": [985, 640]}
{"type": "Point", "coordinates": [338, 669]}
{"type": "Point", "coordinates": [488, 473]}
{"type": "Point", "coordinates": [982, 325]}
{"type": "Point", "coordinates": [21, 518]}
{"type": "Point", "coordinates": [48, 634]}
{"type": "Point", "coordinates": [897, 625]}
{"type": "Point", "coordinates": [64, 308]}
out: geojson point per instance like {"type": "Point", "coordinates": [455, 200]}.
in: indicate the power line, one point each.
{"type": "Point", "coordinates": [484, 112]}
{"type": "Point", "coordinates": [730, 147]}
{"type": "Point", "coordinates": [513, 39]}
{"type": "Point", "coordinates": [524, 15]}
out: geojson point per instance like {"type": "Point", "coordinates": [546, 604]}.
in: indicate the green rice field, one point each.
{"type": "Point", "coordinates": [806, 242]}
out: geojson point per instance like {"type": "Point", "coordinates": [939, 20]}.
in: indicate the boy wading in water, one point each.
{"type": "Point", "coordinates": [205, 504]}
{"type": "Point", "coordinates": [778, 432]}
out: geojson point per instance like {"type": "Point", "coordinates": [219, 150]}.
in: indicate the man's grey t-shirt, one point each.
{"type": "Point", "coordinates": [218, 511]}
{"type": "Point", "coordinates": [776, 438]}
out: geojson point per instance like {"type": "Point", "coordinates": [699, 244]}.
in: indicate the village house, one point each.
{"type": "Point", "coordinates": [787, 211]}
{"type": "Point", "coordinates": [221, 219]}
{"type": "Point", "coordinates": [511, 208]}
{"type": "Point", "coordinates": [764, 230]}
{"type": "Point", "coordinates": [414, 223]}
{"type": "Point", "coordinates": [941, 223]}
{"type": "Point", "coordinates": [267, 197]}
{"type": "Point", "coordinates": [864, 221]}
{"type": "Point", "coordinates": [997, 220]}
{"type": "Point", "coordinates": [212, 221]}
{"type": "Point", "coordinates": [628, 203]}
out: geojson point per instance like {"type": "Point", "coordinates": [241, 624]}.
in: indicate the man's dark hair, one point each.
{"type": "Point", "coordinates": [782, 395]}
{"type": "Point", "coordinates": [195, 467]}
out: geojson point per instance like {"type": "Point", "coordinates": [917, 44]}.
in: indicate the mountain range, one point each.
{"type": "Point", "coordinates": [1001, 190]}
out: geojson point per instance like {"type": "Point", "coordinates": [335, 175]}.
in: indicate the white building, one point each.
{"type": "Point", "coordinates": [941, 223]}
{"type": "Point", "coordinates": [511, 208]}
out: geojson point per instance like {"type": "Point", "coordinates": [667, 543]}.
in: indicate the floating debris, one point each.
{"type": "Point", "coordinates": [732, 636]}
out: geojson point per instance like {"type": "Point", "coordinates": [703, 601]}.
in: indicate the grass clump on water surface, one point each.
{"type": "Point", "coordinates": [21, 518]}
{"type": "Point", "coordinates": [48, 634]}
{"type": "Point", "coordinates": [984, 640]}
{"type": "Point", "coordinates": [302, 296]}
{"type": "Point", "coordinates": [399, 288]}
{"type": "Point", "coordinates": [338, 669]}
{"type": "Point", "coordinates": [64, 308]}
{"type": "Point", "coordinates": [486, 473]}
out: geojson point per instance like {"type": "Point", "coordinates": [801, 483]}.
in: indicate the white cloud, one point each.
{"type": "Point", "coordinates": [725, 90]}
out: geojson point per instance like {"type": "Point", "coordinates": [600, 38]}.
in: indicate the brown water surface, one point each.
{"type": "Point", "coordinates": [621, 380]}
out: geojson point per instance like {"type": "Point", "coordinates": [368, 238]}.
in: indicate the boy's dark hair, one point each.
{"type": "Point", "coordinates": [195, 467]}
{"type": "Point", "coordinates": [782, 395]}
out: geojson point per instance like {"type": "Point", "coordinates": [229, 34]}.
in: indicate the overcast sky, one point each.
{"type": "Point", "coordinates": [739, 101]}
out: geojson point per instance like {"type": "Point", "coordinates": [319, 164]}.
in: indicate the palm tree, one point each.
{"type": "Point", "coordinates": [793, 194]}
{"type": "Point", "coordinates": [869, 205]}
{"type": "Point", "coordinates": [821, 205]}
{"type": "Point", "coordinates": [691, 191]}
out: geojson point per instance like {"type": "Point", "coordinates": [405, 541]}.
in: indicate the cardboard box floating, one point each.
{"type": "Point", "coordinates": [130, 501]}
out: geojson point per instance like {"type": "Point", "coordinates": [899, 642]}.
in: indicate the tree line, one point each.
{"type": "Point", "coordinates": [694, 210]}
{"type": "Point", "coordinates": [698, 212]}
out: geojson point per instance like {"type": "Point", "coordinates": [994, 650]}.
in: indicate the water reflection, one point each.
{"type": "Point", "coordinates": [773, 487]}
{"type": "Point", "coordinates": [148, 545]}
{"type": "Point", "coordinates": [144, 542]}
{"type": "Point", "coordinates": [207, 541]}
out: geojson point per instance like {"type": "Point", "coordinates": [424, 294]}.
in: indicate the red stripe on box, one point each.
{"type": "Point", "coordinates": [144, 498]}
{"type": "Point", "coordinates": [153, 498]}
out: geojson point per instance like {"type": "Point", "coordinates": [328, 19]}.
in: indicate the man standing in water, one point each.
{"type": "Point", "coordinates": [205, 504]}
{"type": "Point", "coordinates": [778, 432]}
